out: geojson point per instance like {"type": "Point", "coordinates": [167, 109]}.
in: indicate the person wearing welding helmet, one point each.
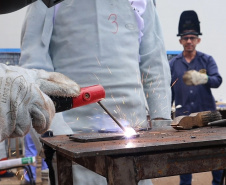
{"type": "Point", "coordinates": [117, 44]}
{"type": "Point", "coordinates": [195, 73]}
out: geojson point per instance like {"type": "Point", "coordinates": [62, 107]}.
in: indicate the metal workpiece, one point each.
{"type": "Point", "coordinates": [149, 141]}
{"type": "Point", "coordinates": [156, 153]}
{"type": "Point", "coordinates": [194, 120]}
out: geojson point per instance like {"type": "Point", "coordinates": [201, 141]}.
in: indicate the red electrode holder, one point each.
{"type": "Point", "coordinates": [88, 95]}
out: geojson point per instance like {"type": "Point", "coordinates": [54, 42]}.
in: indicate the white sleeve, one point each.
{"type": "Point", "coordinates": [35, 37]}
{"type": "Point", "coordinates": [154, 66]}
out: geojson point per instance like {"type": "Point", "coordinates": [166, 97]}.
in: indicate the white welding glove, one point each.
{"type": "Point", "coordinates": [194, 77]}
{"type": "Point", "coordinates": [24, 100]}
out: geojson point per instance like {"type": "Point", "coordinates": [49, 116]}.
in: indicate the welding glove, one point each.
{"type": "Point", "coordinates": [193, 77]}
{"type": "Point", "coordinates": [24, 100]}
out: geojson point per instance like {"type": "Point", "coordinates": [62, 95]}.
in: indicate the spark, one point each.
{"type": "Point", "coordinates": [13, 152]}
{"type": "Point", "coordinates": [164, 107]}
{"type": "Point", "coordinates": [137, 122]}
{"type": "Point", "coordinates": [17, 173]}
{"type": "Point", "coordinates": [77, 118]}
{"type": "Point", "coordinates": [115, 111]}
{"type": "Point", "coordinates": [142, 78]}
{"type": "Point", "coordinates": [98, 61]}
{"type": "Point", "coordinates": [22, 177]}
{"type": "Point", "coordinates": [147, 95]}
{"type": "Point", "coordinates": [157, 78]}
{"type": "Point", "coordinates": [142, 122]}
{"type": "Point", "coordinates": [159, 83]}
{"type": "Point", "coordinates": [119, 110]}
{"type": "Point", "coordinates": [150, 84]}
{"type": "Point", "coordinates": [109, 70]}
{"type": "Point", "coordinates": [112, 97]}
{"type": "Point", "coordinates": [96, 77]}
{"type": "Point", "coordinates": [123, 102]}
{"type": "Point", "coordinates": [174, 82]}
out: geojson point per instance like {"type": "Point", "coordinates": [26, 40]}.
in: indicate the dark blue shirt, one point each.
{"type": "Point", "coordinates": [194, 98]}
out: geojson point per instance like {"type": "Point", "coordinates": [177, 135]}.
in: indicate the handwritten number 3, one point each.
{"type": "Point", "coordinates": [114, 21]}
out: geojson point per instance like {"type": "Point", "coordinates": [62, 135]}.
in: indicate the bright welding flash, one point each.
{"type": "Point", "coordinates": [129, 132]}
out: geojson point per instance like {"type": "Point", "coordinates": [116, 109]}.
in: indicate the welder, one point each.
{"type": "Point", "coordinates": [117, 44]}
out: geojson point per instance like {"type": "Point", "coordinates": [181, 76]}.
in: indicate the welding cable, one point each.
{"type": "Point", "coordinates": [29, 173]}
{"type": "Point", "coordinates": [49, 152]}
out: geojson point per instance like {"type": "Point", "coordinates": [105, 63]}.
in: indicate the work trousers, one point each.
{"type": "Point", "coordinates": [31, 151]}
{"type": "Point", "coordinates": [186, 178]}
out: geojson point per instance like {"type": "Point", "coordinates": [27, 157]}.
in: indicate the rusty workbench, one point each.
{"type": "Point", "coordinates": [156, 153]}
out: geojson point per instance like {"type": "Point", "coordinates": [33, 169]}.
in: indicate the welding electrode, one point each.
{"type": "Point", "coordinates": [116, 121]}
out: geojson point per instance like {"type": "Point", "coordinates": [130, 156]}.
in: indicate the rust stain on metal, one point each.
{"type": "Point", "coordinates": [152, 141]}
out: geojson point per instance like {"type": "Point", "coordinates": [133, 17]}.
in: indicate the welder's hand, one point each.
{"type": "Point", "coordinates": [193, 77]}
{"type": "Point", "coordinates": [24, 100]}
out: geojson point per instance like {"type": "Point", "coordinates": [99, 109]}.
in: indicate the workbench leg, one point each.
{"type": "Point", "coordinates": [64, 170]}
{"type": "Point", "coordinates": [121, 171]}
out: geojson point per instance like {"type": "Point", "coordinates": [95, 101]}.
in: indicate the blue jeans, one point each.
{"type": "Point", "coordinates": [186, 178]}
{"type": "Point", "coordinates": [30, 151]}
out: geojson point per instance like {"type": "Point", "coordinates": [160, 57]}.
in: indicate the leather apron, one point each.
{"type": "Point", "coordinates": [100, 46]}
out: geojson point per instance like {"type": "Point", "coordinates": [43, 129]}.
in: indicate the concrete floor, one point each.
{"type": "Point", "coordinates": [198, 179]}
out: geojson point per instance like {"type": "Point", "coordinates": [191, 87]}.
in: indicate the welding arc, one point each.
{"type": "Point", "coordinates": [111, 116]}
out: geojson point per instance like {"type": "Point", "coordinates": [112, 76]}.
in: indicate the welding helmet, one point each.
{"type": "Point", "coordinates": [8, 6]}
{"type": "Point", "coordinates": [189, 24]}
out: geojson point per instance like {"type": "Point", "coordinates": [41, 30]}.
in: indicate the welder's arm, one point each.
{"type": "Point", "coordinates": [24, 101]}
{"type": "Point", "coordinates": [154, 66]}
